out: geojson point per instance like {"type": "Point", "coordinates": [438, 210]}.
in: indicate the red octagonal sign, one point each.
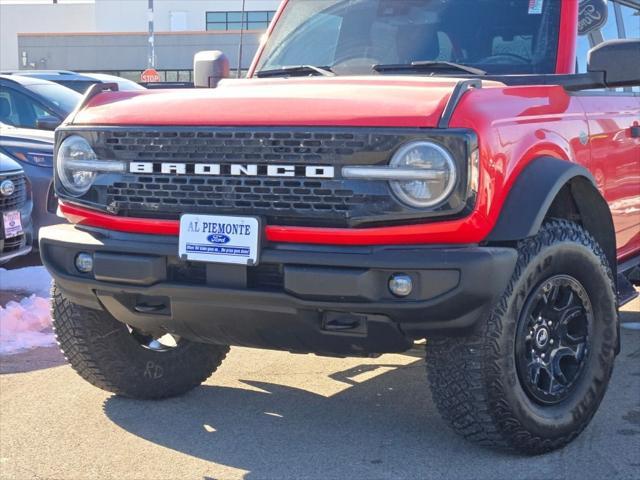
{"type": "Point", "coordinates": [150, 75]}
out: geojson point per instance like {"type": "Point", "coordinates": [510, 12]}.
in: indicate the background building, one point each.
{"type": "Point", "coordinates": [112, 35]}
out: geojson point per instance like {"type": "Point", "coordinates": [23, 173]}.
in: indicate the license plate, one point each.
{"type": "Point", "coordinates": [12, 224]}
{"type": "Point", "coordinates": [219, 239]}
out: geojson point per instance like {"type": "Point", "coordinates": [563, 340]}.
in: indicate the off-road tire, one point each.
{"type": "Point", "coordinates": [474, 378]}
{"type": "Point", "coordinates": [105, 354]}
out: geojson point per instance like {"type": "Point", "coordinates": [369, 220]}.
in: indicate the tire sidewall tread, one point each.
{"type": "Point", "coordinates": [484, 400]}
{"type": "Point", "coordinates": [103, 352]}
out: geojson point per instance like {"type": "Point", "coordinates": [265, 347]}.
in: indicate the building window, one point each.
{"type": "Point", "coordinates": [223, 21]}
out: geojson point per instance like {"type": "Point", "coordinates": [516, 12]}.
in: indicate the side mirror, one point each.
{"type": "Point", "coordinates": [209, 67]}
{"type": "Point", "coordinates": [618, 61]}
{"type": "Point", "coordinates": [47, 123]}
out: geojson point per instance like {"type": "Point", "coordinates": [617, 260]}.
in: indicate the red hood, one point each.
{"type": "Point", "coordinates": [337, 101]}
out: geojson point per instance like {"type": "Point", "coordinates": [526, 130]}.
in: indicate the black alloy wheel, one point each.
{"type": "Point", "coordinates": [552, 342]}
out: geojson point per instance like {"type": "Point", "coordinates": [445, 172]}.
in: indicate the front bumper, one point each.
{"type": "Point", "coordinates": [301, 298]}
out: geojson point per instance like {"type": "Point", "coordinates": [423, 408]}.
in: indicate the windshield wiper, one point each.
{"type": "Point", "coordinates": [428, 65]}
{"type": "Point", "coordinates": [297, 70]}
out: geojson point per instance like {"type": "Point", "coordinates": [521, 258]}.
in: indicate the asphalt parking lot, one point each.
{"type": "Point", "coordinates": [271, 415]}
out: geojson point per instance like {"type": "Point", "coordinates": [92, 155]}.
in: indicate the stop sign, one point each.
{"type": "Point", "coordinates": [150, 75]}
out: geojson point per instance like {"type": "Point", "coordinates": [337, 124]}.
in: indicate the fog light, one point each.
{"type": "Point", "coordinates": [84, 262]}
{"type": "Point", "coordinates": [400, 285]}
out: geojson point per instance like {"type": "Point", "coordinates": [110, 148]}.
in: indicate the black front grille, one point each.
{"type": "Point", "coordinates": [259, 195]}
{"type": "Point", "coordinates": [18, 198]}
{"type": "Point", "coordinates": [244, 145]}
{"type": "Point", "coordinates": [299, 200]}
{"type": "Point", "coordinates": [12, 244]}
{"type": "Point", "coordinates": [284, 201]}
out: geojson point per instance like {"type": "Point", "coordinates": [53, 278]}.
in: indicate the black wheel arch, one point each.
{"type": "Point", "coordinates": [552, 188]}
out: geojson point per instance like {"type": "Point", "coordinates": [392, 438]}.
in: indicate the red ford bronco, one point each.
{"type": "Point", "coordinates": [465, 171]}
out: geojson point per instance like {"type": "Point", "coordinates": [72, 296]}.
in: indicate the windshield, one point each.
{"type": "Point", "coordinates": [350, 36]}
{"type": "Point", "coordinates": [63, 98]}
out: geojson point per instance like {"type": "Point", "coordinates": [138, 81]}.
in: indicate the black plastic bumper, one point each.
{"type": "Point", "coordinates": [303, 298]}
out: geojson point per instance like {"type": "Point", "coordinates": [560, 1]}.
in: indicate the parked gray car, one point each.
{"type": "Point", "coordinates": [16, 231]}
{"type": "Point", "coordinates": [33, 151]}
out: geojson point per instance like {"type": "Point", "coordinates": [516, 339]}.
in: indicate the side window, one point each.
{"type": "Point", "coordinates": [582, 50]}
{"type": "Point", "coordinates": [597, 23]}
{"type": "Point", "coordinates": [19, 110]}
{"type": "Point", "coordinates": [609, 30]}
{"type": "Point", "coordinates": [631, 20]}
{"type": "Point", "coordinates": [5, 107]}
{"type": "Point", "coordinates": [622, 21]}
{"type": "Point", "coordinates": [8, 107]}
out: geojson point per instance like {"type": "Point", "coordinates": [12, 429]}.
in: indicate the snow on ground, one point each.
{"type": "Point", "coordinates": [25, 323]}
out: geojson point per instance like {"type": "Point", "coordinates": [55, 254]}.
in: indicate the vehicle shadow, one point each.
{"type": "Point", "coordinates": [273, 430]}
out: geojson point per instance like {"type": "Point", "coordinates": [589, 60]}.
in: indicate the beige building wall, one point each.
{"type": "Point", "coordinates": [131, 15]}
{"type": "Point", "coordinates": [38, 18]}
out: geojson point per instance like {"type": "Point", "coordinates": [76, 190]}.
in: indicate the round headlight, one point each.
{"type": "Point", "coordinates": [71, 165]}
{"type": "Point", "coordinates": [431, 189]}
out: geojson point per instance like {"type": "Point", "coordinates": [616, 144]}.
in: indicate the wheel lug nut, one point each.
{"type": "Point", "coordinates": [551, 341]}
{"type": "Point", "coordinates": [549, 323]}
{"type": "Point", "coordinates": [544, 355]}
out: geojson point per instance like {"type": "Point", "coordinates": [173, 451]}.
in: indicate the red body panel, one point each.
{"type": "Point", "coordinates": [566, 62]}
{"type": "Point", "coordinates": [85, 216]}
{"type": "Point", "coordinates": [344, 101]}
{"type": "Point", "coordinates": [615, 162]}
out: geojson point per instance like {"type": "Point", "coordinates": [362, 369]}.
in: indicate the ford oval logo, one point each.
{"type": "Point", "coordinates": [218, 238]}
{"type": "Point", "coordinates": [7, 188]}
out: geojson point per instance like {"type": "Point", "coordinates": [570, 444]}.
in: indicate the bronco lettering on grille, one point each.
{"type": "Point", "coordinates": [233, 169]}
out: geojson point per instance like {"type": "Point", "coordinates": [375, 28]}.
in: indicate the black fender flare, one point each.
{"type": "Point", "coordinates": [530, 199]}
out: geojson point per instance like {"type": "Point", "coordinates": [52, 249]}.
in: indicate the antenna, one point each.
{"type": "Point", "coordinates": [242, 17]}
